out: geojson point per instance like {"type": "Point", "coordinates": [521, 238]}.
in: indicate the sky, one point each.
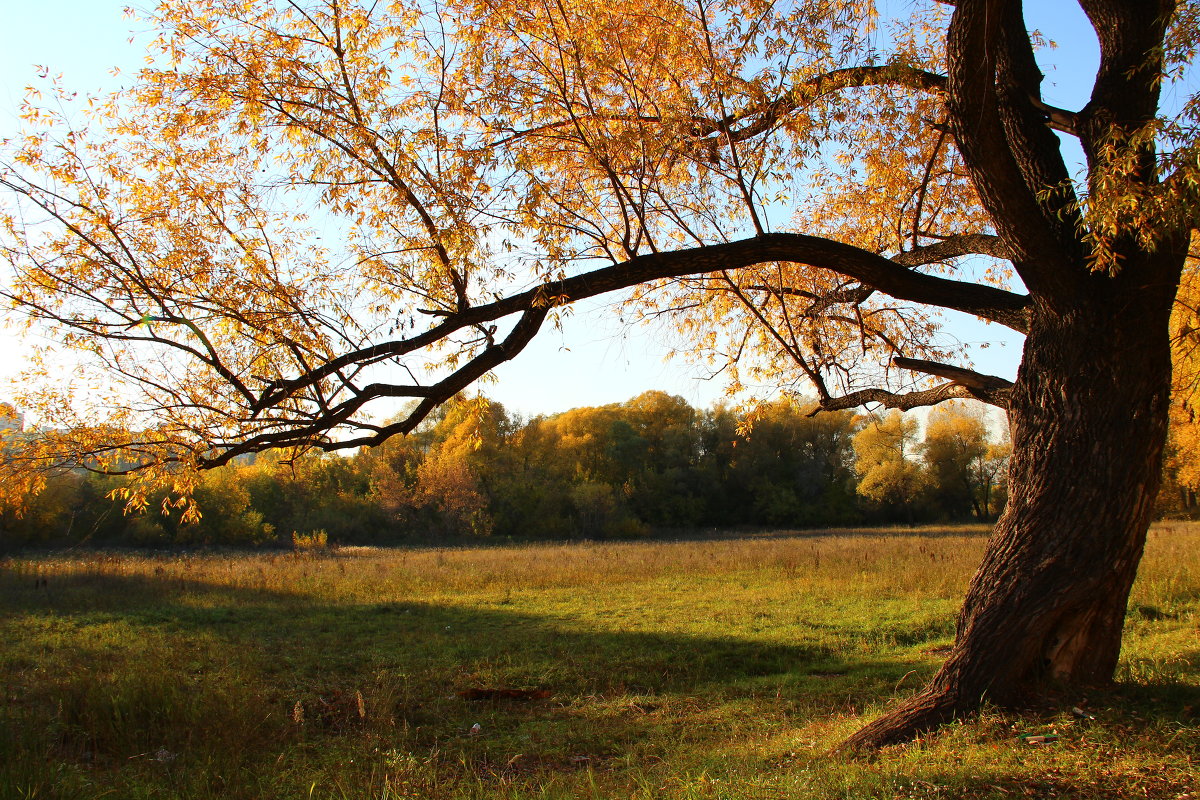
{"type": "Point", "coordinates": [595, 359]}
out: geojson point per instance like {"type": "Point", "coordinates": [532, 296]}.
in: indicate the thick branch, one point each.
{"type": "Point", "coordinates": [988, 388]}
{"type": "Point", "coordinates": [905, 401]}
{"type": "Point", "coordinates": [965, 384]}
{"type": "Point", "coordinates": [983, 244]}
{"type": "Point", "coordinates": [1128, 82]}
{"type": "Point", "coordinates": [1058, 118]}
{"type": "Point", "coordinates": [967, 377]}
{"type": "Point", "coordinates": [1006, 146]}
{"type": "Point", "coordinates": [998, 305]}
{"type": "Point", "coordinates": [431, 397]}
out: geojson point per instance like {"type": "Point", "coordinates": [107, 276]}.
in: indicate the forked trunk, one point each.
{"type": "Point", "coordinates": [1088, 416]}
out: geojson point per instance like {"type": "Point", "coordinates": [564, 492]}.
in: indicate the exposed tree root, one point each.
{"type": "Point", "coordinates": [923, 713]}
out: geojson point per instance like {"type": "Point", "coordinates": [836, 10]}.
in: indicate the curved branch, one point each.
{"type": "Point", "coordinates": [768, 115]}
{"type": "Point", "coordinates": [965, 384]}
{"type": "Point", "coordinates": [1007, 308]}
{"type": "Point", "coordinates": [765, 116]}
{"type": "Point", "coordinates": [1008, 149]}
{"type": "Point", "coordinates": [905, 401]}
{"type": "Point", "coordinates": [967, 377]}
{"type": "Point", "coordinates": [982, 244]}
{"type": "Point", "coordinates": [431, 397]}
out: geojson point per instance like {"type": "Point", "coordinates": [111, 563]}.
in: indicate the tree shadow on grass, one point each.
{"type": "Point", "coordinates": [419, 673]}
{"type": "Point", "coordinates": [1159, 700]}
{"type": "Point", "coordinates": [280, 627]}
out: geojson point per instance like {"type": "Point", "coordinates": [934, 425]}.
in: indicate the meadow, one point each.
{"type": "Point", "coordinates": [719, 668]}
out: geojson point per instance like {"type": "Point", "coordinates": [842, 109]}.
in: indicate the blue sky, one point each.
{"type": "Point", "coordinates": [595, 359]}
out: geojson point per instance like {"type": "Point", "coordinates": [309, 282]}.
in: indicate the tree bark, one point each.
{"type": "Point", "coordinates": [1088, 415]}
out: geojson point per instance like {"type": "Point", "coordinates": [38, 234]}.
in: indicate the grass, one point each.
{"type": "Point", "coordinates": [714, 669]}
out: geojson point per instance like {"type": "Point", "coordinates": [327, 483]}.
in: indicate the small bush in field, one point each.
{"type": "Point", "coordinates": [312, 541]}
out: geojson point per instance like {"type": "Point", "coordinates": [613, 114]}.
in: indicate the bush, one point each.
{"type": "Point", "coordinates": [310, 542]}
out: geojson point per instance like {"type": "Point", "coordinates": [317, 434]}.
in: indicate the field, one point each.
{"type": "Point", "coordinates": [708, 669]}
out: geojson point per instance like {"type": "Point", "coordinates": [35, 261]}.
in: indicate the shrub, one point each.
{"type": "Point", "coordinates": [310, 542]}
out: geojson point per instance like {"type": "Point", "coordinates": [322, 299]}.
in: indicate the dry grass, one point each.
{"type": "Point", "coordinates": [908, 559]}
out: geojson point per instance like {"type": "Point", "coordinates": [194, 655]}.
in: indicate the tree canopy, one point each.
{"type": "Point", "coordinates": [303, 209]}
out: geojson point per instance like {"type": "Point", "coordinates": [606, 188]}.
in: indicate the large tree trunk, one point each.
{"type": "Point", "coordinates": [1088, 415]}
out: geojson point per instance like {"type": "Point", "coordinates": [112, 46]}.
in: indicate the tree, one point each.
{"type": "Point", "coordinates": [962, 463]}
{"type": "Point", "coordinates": [487, 163]}
{"type": "Point", "coordinates": [661, 445]}
{"type": "Point", "coordinates": [635, 458]}
{"type": "Point", "coordinates": [795, 469]}
{"type": "Point", "coordinates": [445, 489]}
{"type": "Point", "coordinates": [991, 471]}
{"type": "Point", "coordinates": [887, 471]}
{"type": "Point", "coordinates": [1183, 442]}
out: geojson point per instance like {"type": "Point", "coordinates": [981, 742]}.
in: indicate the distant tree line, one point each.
{"type": "Point", "coordinates": [624, 470]}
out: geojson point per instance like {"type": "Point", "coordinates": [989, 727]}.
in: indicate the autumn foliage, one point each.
{"type": "Point", "coordinates": [294, 201]}
{"type": "Point", "coordinates": [651, 465]}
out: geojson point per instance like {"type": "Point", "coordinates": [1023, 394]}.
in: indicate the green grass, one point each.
{"type": "Point", "coordinates": [714, 669]}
